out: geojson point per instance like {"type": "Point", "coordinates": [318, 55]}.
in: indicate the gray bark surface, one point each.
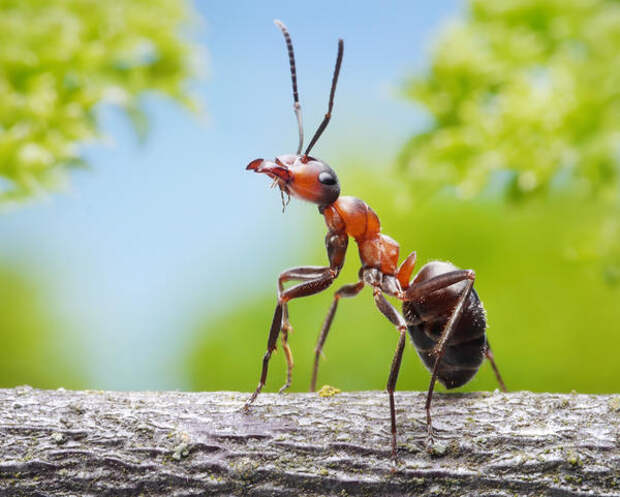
{"type": "Point", "coordinates": [67, 443]}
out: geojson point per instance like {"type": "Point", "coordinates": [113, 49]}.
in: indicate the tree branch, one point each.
{"type": "Point", "coordinates": [117, 444]}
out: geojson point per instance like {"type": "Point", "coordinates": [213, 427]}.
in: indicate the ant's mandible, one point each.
{"type": "Point", "coordinates": [441, 309]}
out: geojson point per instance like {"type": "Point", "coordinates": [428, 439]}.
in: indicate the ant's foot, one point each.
{"type": "Point", "coordinates": [395, 461]}
{"type": "Point", "coordinates": [284, 387]}
{"type": "Point", "coordinates": [438, 449]}
{"type": "Point", "coordinates": [430, 440]}
{"type": "Point", "coordinates": [249, 402]}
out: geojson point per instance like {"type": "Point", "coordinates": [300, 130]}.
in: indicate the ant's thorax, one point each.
{"type": "Point", "coordinates": [354, 217]}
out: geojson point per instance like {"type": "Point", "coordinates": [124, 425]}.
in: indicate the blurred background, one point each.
{"type": "Point", "coordinates": [136, 252]}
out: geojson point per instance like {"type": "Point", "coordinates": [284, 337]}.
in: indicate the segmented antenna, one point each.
{"type": "Point", "coordinates": [328, 116]}
{"type": "Point", "coordinates": [291, 59]}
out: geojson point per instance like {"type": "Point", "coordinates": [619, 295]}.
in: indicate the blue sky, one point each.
{"type": "Point", "coordinates": [156, 234]}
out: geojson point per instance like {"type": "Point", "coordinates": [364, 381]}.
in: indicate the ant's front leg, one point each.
{"type": "Point", "coordinates": [302, 273]}
{"type": "Point", "coordinates": [318, 279]}
{"type": "Point", "coordinates": [310, 287]}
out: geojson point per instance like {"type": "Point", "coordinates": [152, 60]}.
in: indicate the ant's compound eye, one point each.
{"type": "Point", "coordinates": [327, 178]}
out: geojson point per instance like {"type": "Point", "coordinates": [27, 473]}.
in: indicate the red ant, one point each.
{"type": "Point", "coordinates": [441, 309]}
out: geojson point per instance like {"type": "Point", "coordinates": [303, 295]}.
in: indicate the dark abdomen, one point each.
{"type": "Point", "coordinates": [426, 319]}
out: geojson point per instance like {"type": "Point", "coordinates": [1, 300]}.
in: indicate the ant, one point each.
{"type": "Point", "coordinates": [441, 310]}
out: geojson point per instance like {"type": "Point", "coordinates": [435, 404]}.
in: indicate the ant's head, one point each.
{"type": "Point", "coordinates": [300, 175]}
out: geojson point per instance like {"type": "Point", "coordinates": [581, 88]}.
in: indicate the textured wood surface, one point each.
{"type": "Point", "coordinates": [64, 443]}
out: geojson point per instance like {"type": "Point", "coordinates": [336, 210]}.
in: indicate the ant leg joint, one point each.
{"type": "Point", "coordinates": [471, 274]}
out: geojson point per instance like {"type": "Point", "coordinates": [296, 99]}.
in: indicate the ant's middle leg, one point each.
{"type": "Point", "coordinates": [350, 290]}
{"type": "Point", "coordinates": [315, 285]}
{"type": "Point", "coordinates": [397, 320]}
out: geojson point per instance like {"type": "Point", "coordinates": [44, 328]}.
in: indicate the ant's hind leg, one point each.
{"type": "Point", "coordinates": [350, 290]}
{"type": "Point", "coordinates": [418, 290]}
{"type": "Point", "coordinates": [489, 355]}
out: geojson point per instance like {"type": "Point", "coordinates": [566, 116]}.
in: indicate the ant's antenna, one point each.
{"type": "Point", "coordinates": [291, 59]}
{"type": "Point", "coordinates": [327, 117]}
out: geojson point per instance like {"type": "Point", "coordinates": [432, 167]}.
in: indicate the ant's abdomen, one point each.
{"type": "Point", "coordinates": [427, 317]}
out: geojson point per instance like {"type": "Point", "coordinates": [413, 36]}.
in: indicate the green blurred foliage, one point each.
{"type": "Point", "coordinates": [60, 58]}
{"type": "Point", "coordinates": [552, 318]}
{"type": "Point", "coordinates": [529, 87]}
{"type": "Point", "coordinates": [35, 346]}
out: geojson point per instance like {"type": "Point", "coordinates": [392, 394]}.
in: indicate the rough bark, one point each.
{"type": "Point", "coordinates": [62, 443]}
